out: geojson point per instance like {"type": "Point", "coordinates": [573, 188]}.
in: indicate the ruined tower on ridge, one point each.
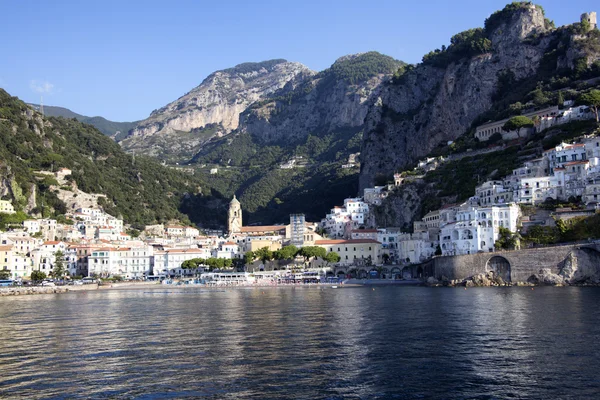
{"type": "Point", "coordinates": [590, 18]}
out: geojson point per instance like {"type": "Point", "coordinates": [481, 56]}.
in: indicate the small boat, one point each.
{"type": "Point", "coordinates": [334, 287]}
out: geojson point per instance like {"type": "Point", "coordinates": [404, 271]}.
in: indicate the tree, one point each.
{"type": "Point", "coordinates": [286, 253]}
{"type": "Point", "coordinates": [4, 274]}
{"type": "Point", "coordinates": [309, 252]}
{"type": "Point", "coordinates": [561, 99]}
{"type": "Point", "coordinates": [38, 276]}
{"type": "Point", "coordinates": [517, 123]}
{"type": "Point", "coordinates": [59, 268]}
{"type": "Point", "coordinates": [507, 240]}
{"type": "Point", "coordinates": [438, 250]}
{"type": "Point", "coordinates": [264, 254]}
{"type": "Point", "coordinates": [332, 257]}
{"type": "Point", "coordinates": [592, 99]}
{"type": "Point", "coordinates": [249, 257]}
{"type": "Point", "coordinates": [192, 264]}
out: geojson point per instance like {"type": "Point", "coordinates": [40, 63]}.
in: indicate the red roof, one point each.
{"type": "Point", "coordinates": [350, 241]}
{"type": "Point", "coordinates": [50, 243]}
{"type": "Point", "coordinates": [184, 251]}
{"type": "Point", "coordinates": [267, 228]}
{"type": "Point", "coordinates": [229, 244]}
{"type": "Point", "coordinates": [577, 162]}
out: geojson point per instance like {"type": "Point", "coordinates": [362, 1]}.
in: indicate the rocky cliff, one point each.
{"type": "Point", "coordinates": [217, 101]}
{"type": "Point", "coordinates": [338, 97]}
{"type": "Point", "coordinates": [438, 101]}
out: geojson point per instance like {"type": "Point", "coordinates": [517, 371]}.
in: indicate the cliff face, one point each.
{"type": "Point", "coordinates": [335, 98]}
{"type": "Point", "coordinates": [433, 104]}
{"type": "Point", "coordinates": [221, 97]}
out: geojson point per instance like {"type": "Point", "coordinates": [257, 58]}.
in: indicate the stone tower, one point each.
{"type": "Point", "coordinates": [591, 18]}
{"type": "Point", "coordinates": [234, 221]}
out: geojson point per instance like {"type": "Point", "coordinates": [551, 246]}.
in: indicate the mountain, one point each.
{"type": "Point", "coordinates": [475, 79]}
{"type": "Point", "coordinates": [338, 97]}
{"type": "Point", "coordinates": [177, 131]}
{"type": "Point", "coordinates": [109, 128]}
{"type": "Point", "coordinates": [291, 150]}
{"type": "Point", "coordinates": [139, 189]}
{"type": "Point", "coordinates": [518, 62]}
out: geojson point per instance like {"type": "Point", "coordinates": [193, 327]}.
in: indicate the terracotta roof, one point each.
{"type": "Point", "coordinates": [52, 242]}
{"type": "Point", "coordinates": [350, 241]}
{"type": "Point", "coordinates": [6, 248]}
{"type": "Point", "coordinates": [183, 251]}
{"type": "Point", "coordinates": [266, 228]}
{"type": "Point", "coordinates": [229, 244]}
{"type": "Point", "coordinates": [578, 162]}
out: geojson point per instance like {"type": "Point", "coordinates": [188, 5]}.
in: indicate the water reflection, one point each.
{"type": "Point", "coordinates": [302, 343]}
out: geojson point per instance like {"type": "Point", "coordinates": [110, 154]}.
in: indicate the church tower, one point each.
{"type": "Point", "coordinates": [234, 221]}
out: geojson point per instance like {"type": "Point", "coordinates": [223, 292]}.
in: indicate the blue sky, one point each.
{"type": "Point", "coordinates": [123, 59]}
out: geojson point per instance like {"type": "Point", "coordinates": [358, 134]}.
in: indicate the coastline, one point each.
{"type": "Point", "coordinates": [349, 283]}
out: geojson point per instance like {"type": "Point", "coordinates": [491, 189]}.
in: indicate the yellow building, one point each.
{"type": "Point", "coordinates": [6, 207]}
{"type": "Point", "coordinates": [256, 244]}
{"type": "Point", "coordinates": [6, 258]}
{"type": "Point", "coordinates": [353, 251]}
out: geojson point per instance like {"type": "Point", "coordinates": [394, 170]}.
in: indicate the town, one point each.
{"type": "Point", "coordinates": [344, 244]}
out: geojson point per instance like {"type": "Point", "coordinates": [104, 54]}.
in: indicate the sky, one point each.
{"type": "Point", "coordinates": [123, 59]}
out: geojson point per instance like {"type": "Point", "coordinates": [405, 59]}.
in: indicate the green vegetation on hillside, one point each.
{"type": "Point", "coordinates": [267, 192]}
{"type": "Point", "coordinates": [355, 69]}
{"type": "Point", "coordinates": [462, 45]}
{"type": "Point", "coordinates": [105, 126]}
{"type": "Point", "coordinates": [140, 190]}
{"type": "Point", "coordinates": [248, 67]}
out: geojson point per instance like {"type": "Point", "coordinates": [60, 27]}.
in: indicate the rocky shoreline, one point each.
{"type": "Point", "coordinates": [545, 277]}
{"type": "Point", "coordinates": [25, 290]}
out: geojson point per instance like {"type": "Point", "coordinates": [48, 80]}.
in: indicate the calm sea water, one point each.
{"type": "Point", "coordinates": [288, 343]}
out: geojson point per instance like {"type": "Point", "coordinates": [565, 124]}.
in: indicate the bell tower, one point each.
{"type": "Point", "coordinates": [234, 222]}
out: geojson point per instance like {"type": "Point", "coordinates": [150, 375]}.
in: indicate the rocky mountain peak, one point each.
{"type": "Point", "coordinates": [515, 23]}
{"type": "Point", "coordinates": [220, 98]}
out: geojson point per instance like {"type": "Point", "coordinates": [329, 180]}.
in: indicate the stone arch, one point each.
{"type": "Point", "coordinates": [362, 274]}
{"type": "Point", "coordinates": [396, 273]}
{"type": "Point", "coordinates": [407, 273]}
{"type": "Point", "coordinates": [500, 266]}
{"type": "Point", "coordinates": [419, 272]}
{"type": "Point", "coordinates": [385, 273]}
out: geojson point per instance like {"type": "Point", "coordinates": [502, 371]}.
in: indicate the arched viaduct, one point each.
{"type": "Point", "coordinates": [514, 266]}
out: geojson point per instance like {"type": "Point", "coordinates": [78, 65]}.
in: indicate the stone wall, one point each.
{"type": "Point", "coordinates": [523, 263]}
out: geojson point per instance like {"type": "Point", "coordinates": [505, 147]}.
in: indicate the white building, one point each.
{"type": "Point", "coordinates": [168, 262]}
{"type": "Point", "coordinates": [415, 247]}
{"type": "Point", "coordinates": [477, 228]}
{"type": "Point", "coordinates": [485, 131]}
{"type": "Point", "coordinates": [32, 226]}
{"type": "Point", "coordinates": [539, 189]}
{"type": "Point", "coordinates": [493, 192]}
{"type": "Point", "coordinates": [565, 153]}
{"type": "Point", "coordinates": [128, 262]}
{"type": "Point", "coordinates": [6, 207]}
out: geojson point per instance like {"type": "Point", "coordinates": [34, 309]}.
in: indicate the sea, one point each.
{"type": "Point", "coordinates": [392, 342]}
